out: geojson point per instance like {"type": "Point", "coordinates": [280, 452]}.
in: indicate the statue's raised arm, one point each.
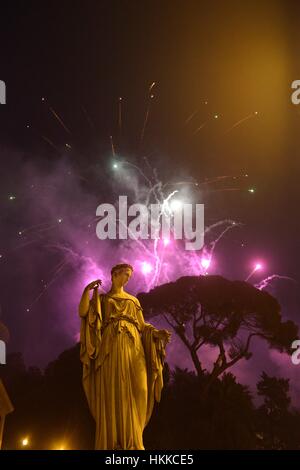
{"type": "Point", "coordinates": [85, 298]}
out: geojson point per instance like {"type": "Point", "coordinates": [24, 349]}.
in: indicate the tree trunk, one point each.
{"type": "Point", "coordinates": [193, 353]}
{"type": "Point", "coordinates": [196, 361]}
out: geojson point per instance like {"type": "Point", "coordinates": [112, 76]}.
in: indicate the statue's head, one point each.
{"type": "Point", "coordinates": [121, 273]}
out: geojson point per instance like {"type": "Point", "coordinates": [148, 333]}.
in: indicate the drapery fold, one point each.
{"type": "Point", "coordinates": [90, 342]}
{"type": "Point", "coordinates": [155, 356]}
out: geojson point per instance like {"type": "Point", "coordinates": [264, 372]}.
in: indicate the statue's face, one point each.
{"type": "Point", "coordinates": [123, 276]}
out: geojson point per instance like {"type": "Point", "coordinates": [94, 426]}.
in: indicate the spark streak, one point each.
{"type": "Point", "coordinates": [120, 114]}
{"type": "Point", "coordinates": [238, 123]}
{"type": "Point", "coordinates": [46, 139]}
{"type": "Point", "coordinates": [59, 120]}
{"type": "Point", "coordinates": [112, 146]}
{"type": "Point", "coordinates": [150, 98]}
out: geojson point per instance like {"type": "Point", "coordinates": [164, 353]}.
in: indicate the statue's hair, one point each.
{"type": "Point", "coordinates": [119, 267]}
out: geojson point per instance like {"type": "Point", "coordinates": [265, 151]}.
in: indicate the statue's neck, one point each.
{"type": "Point", "coordinates": [115, 290]}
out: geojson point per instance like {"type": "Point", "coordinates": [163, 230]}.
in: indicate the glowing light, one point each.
{"type": "Point", "coordinates": [166, 241]}
{"type": "Point", "coordinates": [216, 116]}
{"type": "Point", "coordinates": [251, 190]}
{"type": "Point", "coordinates": [115, 166]}
{"type": "Point", "coordinates": [257, 267]}
{"type": "Point", "coordinates": [11, 198]}
{"type": "Point", "coordinates": [146, 267]}
{"type": "Point", "coordinates": [205, 263]}
{"type": "Point", "coordinates": [151, 86]}
{"type": "Point", "coordinates": [20, 233]}
{"type": "Point", "coordinates": [176, 204]}
{"type": "Point", "coordinates": [25, 442]}
{"type": "Point", "coordinates": [256, 113]}
{"type": "Point", "coordinates": [60, 446]}
{"type": "Point", "coordinates": [59, 221]}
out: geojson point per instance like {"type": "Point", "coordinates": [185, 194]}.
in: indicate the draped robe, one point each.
{"type": "Point", "coordinates": [122, 370]}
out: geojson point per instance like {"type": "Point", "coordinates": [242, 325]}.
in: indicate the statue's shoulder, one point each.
{"type": "Point", "coordinates": [129, 296]}
{"type": "Point", "coordinates": [135, 300]}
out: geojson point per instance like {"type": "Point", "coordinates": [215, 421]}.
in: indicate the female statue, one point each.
{"type": "Point", "coordinates": [122, 360]}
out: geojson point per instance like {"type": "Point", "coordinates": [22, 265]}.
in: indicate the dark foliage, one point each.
{"type": "Point", "coordinates": [51, 408]}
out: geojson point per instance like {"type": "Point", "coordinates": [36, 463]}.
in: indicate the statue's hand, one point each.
{"type": "Point", "coordinates": [93, 284]}
{"type": "Point", "coordinates": [164, 335]}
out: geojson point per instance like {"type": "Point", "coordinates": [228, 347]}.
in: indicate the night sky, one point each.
{"type": "Point", "coordinates": [221, 107]}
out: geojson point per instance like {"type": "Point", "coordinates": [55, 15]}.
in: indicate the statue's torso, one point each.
{"type": "Point", "coordinates": [121, 310]}
{"type": "Point", "coordinates": [119, 316]}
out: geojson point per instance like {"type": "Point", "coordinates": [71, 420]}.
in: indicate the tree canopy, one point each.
{"type": "Point", "coordinates": [227, 315]}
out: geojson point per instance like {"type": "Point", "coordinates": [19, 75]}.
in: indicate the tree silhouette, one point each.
{"type": "Point", "coordinates": [273, 414]}
{"type": "Point", "coordinates": [275, 392]}
{"type": "Point", "coordinates": [225, 420]}
{"type": "Point", "coordinates": [211, 310]}
{"type": "Point", "coordinates": [278, 426]}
